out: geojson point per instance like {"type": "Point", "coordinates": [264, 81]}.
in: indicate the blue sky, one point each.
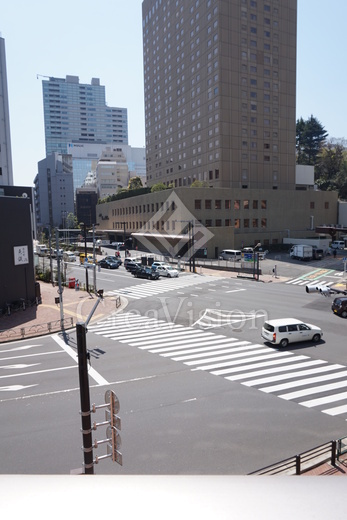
{"type": "Point", "coordinates": [104, 39]}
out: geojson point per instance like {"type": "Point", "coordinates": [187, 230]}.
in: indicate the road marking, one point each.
{"type": "Point", "coordinates": [17, 367]}
{"type": "Point", "coordinates": [14, 388]}
{"type": "Point", "coordinates": [91, 371]}
{"type": "Point", "coordinates": [37, 372]}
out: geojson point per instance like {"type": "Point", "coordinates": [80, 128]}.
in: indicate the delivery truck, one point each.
{"type": "Point", "coordinates": [301, 252]}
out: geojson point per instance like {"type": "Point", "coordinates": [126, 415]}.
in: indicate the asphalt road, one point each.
{"type": "Point", "coordinates": [179, 416]}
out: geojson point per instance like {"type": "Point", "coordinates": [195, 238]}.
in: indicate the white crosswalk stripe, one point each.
{"type": "Point", "coordinates": [312, 383]}
{"type": "Point", "coordinates": [304, 281]}
{"type": "Point", "coordinates": [154, 287]}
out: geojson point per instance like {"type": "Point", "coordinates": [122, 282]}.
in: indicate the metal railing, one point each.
{"type": "Point", "coordinates": [328, 452]}
{"type": "Point", "coordinates": [39, 329]}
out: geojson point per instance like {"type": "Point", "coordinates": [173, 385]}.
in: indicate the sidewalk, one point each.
{"type": "Point", "coordinates": [45, 318]}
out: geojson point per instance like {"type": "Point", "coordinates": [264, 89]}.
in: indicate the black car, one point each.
{"type": "Point", "coordinates": [146, 272]}
{"type": "Point", "coordinates": [114, 259]}
{"type": "Point", "coordinates": [339, 306]}
{"type": "Point", "coordinates": [132, 265]}
{"type": "Point", "coordinates": [108, 264]}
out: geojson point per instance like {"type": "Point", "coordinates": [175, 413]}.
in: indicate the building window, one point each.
{"type": "Point", "coordinates": [218, 204]}
{"type": "Point", "coordinates": [236, 204]}
{"type": "Point", "coordinates": [263, 222]}
{"type": "Point", "coordinates": [263, 204]}
{"type": "Point", "coordinates": [208, 204]}
{"type": "Point", "coordinates": [246, 204]}
{"type": "Point", "coordinates": [197, 204]}
{"type": "Point", "coordinates": [326, 205]}
{"type": "Point", "coordinates": [237, 223]}
{"type": "Point", "coordinates": [218, 222]}
{"type": "Point", "coordinates": [255, 204]}
{"type": "Point", "coordinates": [208, 223]}
{"type": "Point", "coordinates": [227, 222]}
{"type": "Point", "coordinates": [311, 205]}
{"type": "Point", "coordinates": [246, 222]}
{"type": "Point", "coordinates": [255, 223]}
{"type": "Point", "coordinates": [227, 204]}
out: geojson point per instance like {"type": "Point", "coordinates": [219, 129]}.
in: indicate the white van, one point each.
{"type": "Point", "coordinates": [230, 254]}
{"type": "Point", "coordinates": [338, 244]}
{"type": "Point", "coordinates": [289, 330]}
{"type": "Point", "coordinates": [69, 257]}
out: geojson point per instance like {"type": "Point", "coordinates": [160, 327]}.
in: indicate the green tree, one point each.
{"type": "Point", "coordinates": [160, 186]}
{"type": "Point", "coordinates": [135, 183]}
{"type": "Point", "coordinates": [71, 221]}
{"type": "Point", "coordinates": [310, 137]}
{"type": "Point", "coordinates": [199, 184]}
{"type": "Point", "coordinates": [331, 169]}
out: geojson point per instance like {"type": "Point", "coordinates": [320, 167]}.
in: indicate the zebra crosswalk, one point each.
{"type": "Point", "coordinates": [315, 277]}
{"type": "Point", "coordinates": [312, 383]}
{"type": "Point", "coordinates": [154, 287]}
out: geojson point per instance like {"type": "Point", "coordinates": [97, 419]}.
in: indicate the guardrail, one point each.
{"type": "Point", "coordinates": [327, 452]}
{"type": "Point", "coordinates": [39, 329]}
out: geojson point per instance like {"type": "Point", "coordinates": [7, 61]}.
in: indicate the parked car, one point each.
{"type": "Point", "coordinates": [145, 272]}
{"type": "Point", "coordinates": [130, 260]}
{"type": "Point", "coordinates": [289, 330]}
{"type": "Point", "coordinates": [132, 265]}
{"type": "Point", "coordinates": [230, 254]}
{"type": "Point", "coordinates": [167, 270]}
{"type": "Point", "coordinates": [339, 306]}
{"type": "Point", "coordinates": [69, 257]}
{"type": "Point", "coordinates": [108, 264]}
{"type": "Point", "coordinates": [338, 244]}
{"type": "Point", "coordinates": [114, 259]}
{"type": "Point", "coordinates": [156, 264]}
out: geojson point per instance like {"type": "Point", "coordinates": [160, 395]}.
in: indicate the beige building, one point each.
{"type": "Point", "coordinates": [112, 172]}
{"type": "Point", "coordinates": [233, 218]}
{"type": "Point", "coordinates": [220, 92]}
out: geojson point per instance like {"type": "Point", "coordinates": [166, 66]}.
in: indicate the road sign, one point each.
{"type": "Point", "coordinates": [115, 418]}
{"type": "Point", "coordinates": [112, 400]}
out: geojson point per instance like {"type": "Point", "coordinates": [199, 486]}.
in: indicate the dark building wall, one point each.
{"type": "Point", "coordinates": [16, 281]}
{"type": "Point", "coordinates": [86, 207]}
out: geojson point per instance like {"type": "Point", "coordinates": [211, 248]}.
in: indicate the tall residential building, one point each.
{"type": "Point", "coordinates": [220, 92]}
{"type": "Point", "coordinates": [54, 196]}
{"type": "Point", "coordinates": [6, 173]}
{"type": "Point", "coordinates": [78, 113]}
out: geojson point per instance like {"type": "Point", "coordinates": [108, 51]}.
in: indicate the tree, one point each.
{"type": "Point", "coordinates": [135, 183]}
{"type": "Point", "coordinates": [160, 186]}
{"type": "Point", "coordinates": [310, 137]}
{"type": "Point", "coordinates": [331, 169]}
{"type": "Point", "coordinates": [71, 221]}
{"type": "Point", "coordinates": [199, 184]}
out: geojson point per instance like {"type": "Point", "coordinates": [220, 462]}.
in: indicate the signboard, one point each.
{"type": "Point", "coordinates": [21, 255]}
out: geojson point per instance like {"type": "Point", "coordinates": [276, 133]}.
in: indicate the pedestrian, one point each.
{"type": "Point", "coordinates": [334, 253]}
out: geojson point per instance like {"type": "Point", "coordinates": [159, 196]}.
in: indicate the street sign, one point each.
{"type": "Point", "coordinates": [116, 456]}
{"type": "Point", "coordinates": [116, 419]}
{"type": "Point", "coordinates": [112, 400]}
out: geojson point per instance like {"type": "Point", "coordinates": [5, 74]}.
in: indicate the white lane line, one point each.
{"type": "Point", "coordinates": [246, 368]}
{"type": "Point", "coordinates": [18, 366]}
{"type": "Point", "coordinates": [337, 410]}
{"type": "Point", "coordinates": [276, 370]}
{"type": "Point", "coordinates": [324, 400]}
{"type": "Point", "coordinates": [38, 372]}
{"type": "Point", "coordinates": [303, 382]}
{"type": "Point", "coordinates": [235, 290]}
{"type": "Point", "coordinates": [91, 371]}
{"type": "Point", "coordinates": [240, 362]}
{"type": "Point", "coordinates": [312, 391]}
{"type": "Point", "coordinates": [32, 355]}
{"type": "Point", "coordinates": [14, 388]}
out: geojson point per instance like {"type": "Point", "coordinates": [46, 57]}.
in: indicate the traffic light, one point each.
{"type": "Point", "coordinates": [322, 289]}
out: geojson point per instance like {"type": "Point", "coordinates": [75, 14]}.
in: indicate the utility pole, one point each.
{"type": "Point", "coordinates": [85, 254]}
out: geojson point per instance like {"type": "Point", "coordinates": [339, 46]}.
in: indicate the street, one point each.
{"type": "Point", "coordinates": [199, 391]}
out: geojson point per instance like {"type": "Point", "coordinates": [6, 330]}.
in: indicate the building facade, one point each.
{"type": "Point", "coordinates": [54, 196]}
{"type": "Point", "coordinates": [78, 113]}
{"type": "Point", "coordinates": [6, 173]}
{"type": "Point", "coordinates": [220, 92]}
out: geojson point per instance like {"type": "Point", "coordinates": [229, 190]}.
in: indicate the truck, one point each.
{"type": "Point", "coordinates": [41, 249]}
{"type": "Point", "coordinates": [301, 252]}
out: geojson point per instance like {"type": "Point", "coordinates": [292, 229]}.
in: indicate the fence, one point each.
{"type": "Point", "coordinates": [38, 329]}
{"type": "Point", "coordinates": [329, 452]}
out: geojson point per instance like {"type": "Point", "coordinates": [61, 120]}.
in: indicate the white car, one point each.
{"type": "Point", "coordinates": [289, 330]}
{"type": "Point", "coordinates": [167, 270]}
{"type": "Point", "coordinates": [155, 264]}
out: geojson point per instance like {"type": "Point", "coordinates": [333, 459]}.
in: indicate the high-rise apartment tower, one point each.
{"type": "Point", "coordinates": [78, 113]}
{"type": "Point", "coordinates": [220, 92]}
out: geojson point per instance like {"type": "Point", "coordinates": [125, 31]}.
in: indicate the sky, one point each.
{"type": "Point", "coordinates": [103, 39]}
